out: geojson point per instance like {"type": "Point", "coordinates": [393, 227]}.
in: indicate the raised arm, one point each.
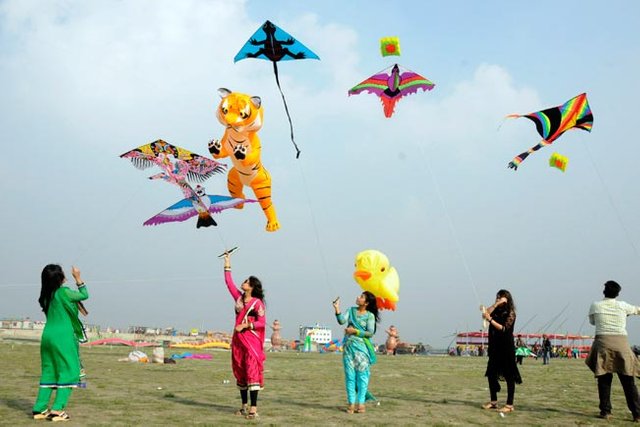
{"type": "Point", "coordinates": [340, 317]}
{"type": "Point", "coordinates": [81, 294]}
{"type": "Point", "coordinates": [228, 279]}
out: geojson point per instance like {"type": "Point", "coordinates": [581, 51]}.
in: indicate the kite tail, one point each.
{"type": "Point", "coordinates": [284, 101]}
{"type": "Point", "coordinates": [513, 164]}
{"type": "Point", "coordinates": [205, 220]}
{"type": "Point", "coordinates": [389, 105]}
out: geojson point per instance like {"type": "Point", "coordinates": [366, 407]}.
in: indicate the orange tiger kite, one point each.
{"type": "Point", "coordinates": [242, 116]}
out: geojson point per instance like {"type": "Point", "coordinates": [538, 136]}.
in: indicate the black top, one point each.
{"type": "Point", "coordinates": [502, 351]}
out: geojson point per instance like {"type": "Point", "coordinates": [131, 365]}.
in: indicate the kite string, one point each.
{"type": "Point", "coordinates": [315, 228]}
{"type": "Point", "coordinates": [286, 108]}
{"type": "Point", "coordinates": [107, 228]}
{"type": "Point", "coordinates": [613, 206]}
{"type": "Point", "coordinates": [450, 223]}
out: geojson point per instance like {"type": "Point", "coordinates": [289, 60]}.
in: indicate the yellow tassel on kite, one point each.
{"type": "Point", "coordinates": [558, 161]}
{"type": "Point", "coordinates": [390, 46]}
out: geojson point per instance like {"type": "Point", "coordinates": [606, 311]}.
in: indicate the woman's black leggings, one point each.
{"type": "Point", "coordinates": [244, 394]}
{"type": "Point", "coordinates": [494, 388]}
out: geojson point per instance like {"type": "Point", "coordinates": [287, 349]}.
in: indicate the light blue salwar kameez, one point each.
{"type": "Point", "coordinates": [358, 355]}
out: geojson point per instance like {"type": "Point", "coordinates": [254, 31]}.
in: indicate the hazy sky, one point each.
{"type": "Point", "coordinates": [83, 82]}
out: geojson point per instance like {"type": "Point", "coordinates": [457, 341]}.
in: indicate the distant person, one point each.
{"type": "Point", "coordinates": [546, 349]}
{"type": "Point", "coordinates": [502, 364]}
{"type": "Point", "coordinates": [611, 352]}
{"type": "Point", "coordinates": [357, 352]}
{"type": "Point", "coordinates": [276, 340]}
{"type": "Point", "coordinates": [520, 345]}
{"type": "Point", "coordinates": [59, 356]}
{"type": "Point", "coordinates": [392, 340]}
{"type": "Point", "coordinates": [247, 343]}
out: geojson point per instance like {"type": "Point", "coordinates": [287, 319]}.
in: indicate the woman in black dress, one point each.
{"type": "Point", "coordinates": [502, 362]}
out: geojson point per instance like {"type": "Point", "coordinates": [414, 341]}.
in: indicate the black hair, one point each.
{"type": "Point", "coordinates": [372, 306]}
{"type": "Point", "coordinates": [256, 288]}
{"type": "Point", "coordinates": [52, 278]}
{"type": "Point", "coordinates": [611, 289]}
{"type": "Point", "coordinates": [510, 305]}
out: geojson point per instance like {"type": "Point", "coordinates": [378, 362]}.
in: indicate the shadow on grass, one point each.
{"type": "Point", "coordinates": [22, 405]}
{"type": "Point", "coordinates": [308, 404]}
{"type": "Point", "coordinates": [476, 404]}
{"type": "Point", "coordinates": [209, 405]}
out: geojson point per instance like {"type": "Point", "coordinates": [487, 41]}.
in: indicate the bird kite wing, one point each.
{"type": "Point", "coordinates": [185, 209]}
{"type": "Point", "coordinates": [178, 212]}
{"type": "Point", "coordinates": [392, 84]}
{"type": "Point", "coordinates": [199, 168]}
{"type": "Point", "coordinates": [220, 203]}
{"type": "Point", "coordinates": [553, 122]}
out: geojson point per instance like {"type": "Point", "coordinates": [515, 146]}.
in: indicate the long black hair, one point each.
{"type": "Point", "coordinates": [510, 306]}
{"type": "Point", "coordinates": [52, 278]}
{"type": "Point", "coordinates": [256, 288]}
{"type": "Point", "coordinates": [372, 306]}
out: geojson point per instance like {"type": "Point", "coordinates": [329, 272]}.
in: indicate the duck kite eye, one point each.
{"type": "Point", "coordinates": [224, 110]}
{"type": "Point", "coordinates": [382, 269]}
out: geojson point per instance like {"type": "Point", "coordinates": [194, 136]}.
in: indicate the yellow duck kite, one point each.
{"type": "Point", "coordinates": [375, 274]}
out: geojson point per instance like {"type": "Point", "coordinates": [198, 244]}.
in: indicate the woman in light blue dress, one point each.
{"type": "Point", "coordinates": [358, 352]}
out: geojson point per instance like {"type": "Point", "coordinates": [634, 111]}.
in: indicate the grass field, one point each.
{"type": "Point", "coordinates": [304, 389]}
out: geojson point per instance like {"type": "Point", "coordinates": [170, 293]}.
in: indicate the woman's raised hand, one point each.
{"type": "Point", "coordinates": [75, 272]}
{"type": "Point", "coordinates": [336, 304]}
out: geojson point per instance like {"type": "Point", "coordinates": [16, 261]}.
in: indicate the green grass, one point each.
{"type": "Point", "coordinates": [304, 389]}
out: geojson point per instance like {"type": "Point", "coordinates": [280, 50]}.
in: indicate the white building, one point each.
{"type": "Point", "coordinates": [318, 334]}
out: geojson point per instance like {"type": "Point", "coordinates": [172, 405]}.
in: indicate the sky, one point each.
{"type": "Point", "coordinates": [83, 82]}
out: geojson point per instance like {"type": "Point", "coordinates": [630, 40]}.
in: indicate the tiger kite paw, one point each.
{"type": "Point", "coordinates": [240, 152]}
{"type": "Point", "coordinates": [215, 146]}
{"type": "Point", "coordinates": [272, 225]}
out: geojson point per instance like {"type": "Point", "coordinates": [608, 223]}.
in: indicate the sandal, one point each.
{"type": "Point", "coordinates": [242, 411]}
{"type": "Point", "coordinates": [41, 415]}
{"type": "Point", "coordinates": [350, 409]}
{"type": "Point", "coordinates": [490, 405]}
{"type": "Point", "coordinates": [361, 409]}
{"type": "Point", "coordinates": [506, 409]}
{"type": "Point", "coordinates": [252, 415]}
{"type": "Point", "coordinates": [62, 416]}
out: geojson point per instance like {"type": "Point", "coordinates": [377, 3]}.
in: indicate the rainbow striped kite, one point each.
{"type": "Point", "coordinates": [554, 121]}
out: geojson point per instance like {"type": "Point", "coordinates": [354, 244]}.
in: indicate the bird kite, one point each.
{"type": "Point", "coordinates": [198, 203]}
{"type": "Point", "coordinates": [187, 166]}
{"type": "Point", "coordinates": [391, 84]}
{"type": "Point", "coordinates": [554, 121]}
{"type": "Point", "coordinates": [272, 43]}
{"type": "Point", "coordinates": [375, 274]}
{"type": "Point", "coordinates": [390, 46]}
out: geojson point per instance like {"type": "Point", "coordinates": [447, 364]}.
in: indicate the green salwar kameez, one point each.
{"type": "Point", "coordinates": [59, 355]}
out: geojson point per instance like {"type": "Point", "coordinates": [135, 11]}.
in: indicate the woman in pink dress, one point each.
{"type": "Point", "coordinates": [247, 343]}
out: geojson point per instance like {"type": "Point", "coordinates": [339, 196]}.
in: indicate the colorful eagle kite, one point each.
{"type": "Point", "coordinates": [197, 203]}
{"type": "Point", "coordinates": [272, 43]}
{"type": "Point", "coordinates": [554, 121]}
{"type": "Point", "coordinates": [178, 165]}
{"type": "Point", "coordinates": [391, 84]}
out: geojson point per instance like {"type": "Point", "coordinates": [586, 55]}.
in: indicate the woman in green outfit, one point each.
{"type": "Point", "coordinates": [59, 356]}
{"type": "Point", "coordinates": [357, 350]}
